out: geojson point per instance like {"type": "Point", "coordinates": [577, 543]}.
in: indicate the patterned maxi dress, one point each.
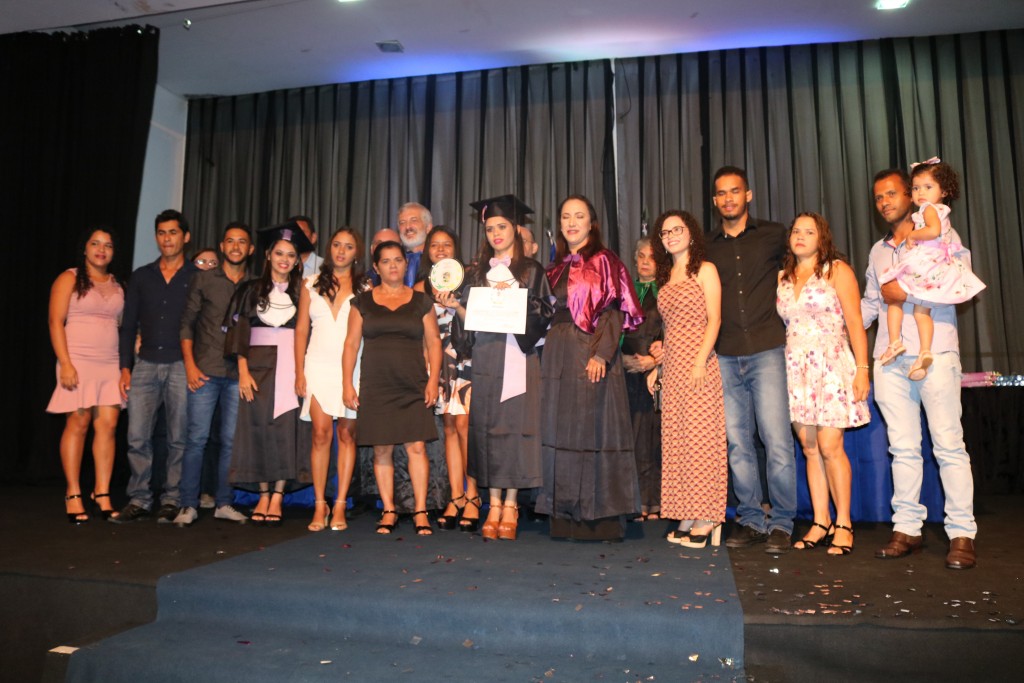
{"type": "Point", "coordinates": [694, 475]}
{"type": "Point", "coordinates": [819, 363]}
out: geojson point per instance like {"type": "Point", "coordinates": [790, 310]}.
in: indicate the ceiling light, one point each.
{"type": "Point", "coordinates": [390, 46]}
{"type": "Point", "coordinates": [891, 4]}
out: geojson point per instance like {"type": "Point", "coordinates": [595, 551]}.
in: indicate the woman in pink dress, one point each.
{"type": "Point", "coordinates": [819, 301]}
{"type": "Point", "coordinates": [85, 310]}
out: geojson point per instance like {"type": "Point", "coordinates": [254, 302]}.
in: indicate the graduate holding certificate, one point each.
{"type": "Point", "coordinates": [504, 425]}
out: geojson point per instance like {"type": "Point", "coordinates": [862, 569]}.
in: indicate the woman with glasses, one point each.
{"type": "Point", "coordinates": [694, 474]}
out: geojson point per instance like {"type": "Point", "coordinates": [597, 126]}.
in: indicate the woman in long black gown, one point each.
{"type": "Point", "coordinates": [504, 425]}
{"type": "Point", "coordinates": [590, 480]}
{"type": "Point", "coordinates": [271, 445]}
{"type": "Point", "coordinates": [395, 399]}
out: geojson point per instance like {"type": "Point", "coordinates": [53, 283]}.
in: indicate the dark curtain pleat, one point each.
{"type": "Point", "coordinates": [73, 133]}
{"type": "Point", "coordinates": [353, 153]}
{"type": "Point", "coordinates": [813, 123]}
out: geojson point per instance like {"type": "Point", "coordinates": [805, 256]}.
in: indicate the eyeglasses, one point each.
{"type": "Point", "coordinates": [676, 231]}
{"type": "Point", "coordinates": [212, 262]}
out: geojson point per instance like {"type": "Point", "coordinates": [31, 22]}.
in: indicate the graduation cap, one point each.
{"type": "Point", "coordinates": [507, 206]}
{"type": "Point", "coordinates": [266, 237]}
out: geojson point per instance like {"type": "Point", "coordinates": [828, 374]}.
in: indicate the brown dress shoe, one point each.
{"type": "Point", "coordinates": [961, 553]}
{"type": "Point", "coordinates": [900, 545]}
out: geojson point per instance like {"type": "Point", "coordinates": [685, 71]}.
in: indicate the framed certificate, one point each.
{"type": "Point", "coordinates": [497, 310]}
{"type": "Point", "coordinates": [446, 275]}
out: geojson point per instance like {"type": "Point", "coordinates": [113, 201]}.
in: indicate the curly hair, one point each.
{"type": "Point", "coordinates": [82, 281]}
{"type": "Point", "coordinates": [827, 252]}
{"type": "Point", "coordinates": [663, 260]}
{"type": "Point", "coordinates": [944, 175]}
{"type": "Point", "coordinates": [325, 284]}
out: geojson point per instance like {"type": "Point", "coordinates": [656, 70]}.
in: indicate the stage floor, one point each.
{"type": "Point", "coordinates": [869, 618]}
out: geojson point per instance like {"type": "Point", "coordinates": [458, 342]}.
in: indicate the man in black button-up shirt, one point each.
{"type": "Point", "coordinates": [751, 352]}
{"type": "Point", "coordinates": [153, 303]}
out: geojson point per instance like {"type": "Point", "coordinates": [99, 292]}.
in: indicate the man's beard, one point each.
{"type": "Point", "coordinates": [414, 242]}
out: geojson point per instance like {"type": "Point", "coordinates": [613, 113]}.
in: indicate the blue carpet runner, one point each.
{"type": "Point", "coordinates": [452, 607]}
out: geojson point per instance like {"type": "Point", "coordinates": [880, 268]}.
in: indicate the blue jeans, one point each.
{"type": "Point", "coordinates": [202, 403]}
{"type": "Point", "coordinates": [153, 384]}
{"type": "Point", "coordinates": [756, 398]}
{"type": "Point", "coordinates": [900, 400]}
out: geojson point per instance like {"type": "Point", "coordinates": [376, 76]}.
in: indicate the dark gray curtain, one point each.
{"type": "Point", "coordinates": [351, 154]}
{"type": "Point", "coordinates": [813, 123]}
{"type": "Point", "coordinates": [73, 131]}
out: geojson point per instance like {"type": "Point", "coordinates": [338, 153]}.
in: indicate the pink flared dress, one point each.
{"type": "Point", "coordinates": [933, 271]}
{"type": "Point", "coordinates": [820, 366]}
{"type": "Point", "coordinates": [91, 332]}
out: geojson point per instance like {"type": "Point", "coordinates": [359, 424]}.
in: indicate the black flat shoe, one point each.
{"type": "Point", "coordinates": [76, 518]}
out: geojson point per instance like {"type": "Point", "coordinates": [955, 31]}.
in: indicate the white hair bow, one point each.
{"type": "Point", "coordinates": [928, 162]}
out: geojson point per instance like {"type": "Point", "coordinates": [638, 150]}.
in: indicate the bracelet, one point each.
{"type": "Point", "coordinates": [866, 367]}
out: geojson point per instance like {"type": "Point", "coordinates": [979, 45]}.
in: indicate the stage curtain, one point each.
{"type": "Point", "coordinates": [351, 154]}
{"type": "Point", "coordinates": [813, 123]}
{"type": "Point", "coordinates": [73, 132]}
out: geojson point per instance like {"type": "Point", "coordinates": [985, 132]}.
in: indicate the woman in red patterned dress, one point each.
{"type": "Point", "coordinates": [694, 453]}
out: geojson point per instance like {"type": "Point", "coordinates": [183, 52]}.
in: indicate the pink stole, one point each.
{"type": "Point", "coordinates": [284, 373]}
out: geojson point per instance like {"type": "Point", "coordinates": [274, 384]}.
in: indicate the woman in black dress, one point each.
{"type": "Point", "coordinates": [590, 481]}
{"type": "Point", "coordinates": [271, 444]}
{"type": "Point", "coordinates": [504, 427]}
{"type": "Point", "coordinates": [395, 399]}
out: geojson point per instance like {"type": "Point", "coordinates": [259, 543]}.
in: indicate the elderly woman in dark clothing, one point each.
{"type": "Point", "coordinates": [590, 480]}
{"type": "Point", "coordinates": [639, 358]}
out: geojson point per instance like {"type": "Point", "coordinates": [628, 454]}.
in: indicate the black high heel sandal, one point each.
{"type": "Point", "coordinates": [824, 540]}
{"type": "Point", "coordinates": [843, 549]}
{"type": "Point", "coordinates": [425, 529]}
{"type": "Point", "coordinates": [76, 518]}
{"type": "Point", "coordinates": [275, 520]}
{"type": "Point", "coordinates": [107, 514]}
{"type": "Point", "coordinates": [471, 524]}
{"type": "Point", "coordinates": [259, 518]}
{"type": "Point", "coordinates": [449, 522]}
{"type": "Point", "coordinates": [383, 528]}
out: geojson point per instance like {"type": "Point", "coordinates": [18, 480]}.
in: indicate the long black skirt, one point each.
{"type": "Point", "coordinates": [268, 448]}
{"type": "Point", "coordinates": [587, 436]}
{"type": "Point", "coordinates": [504, 437]}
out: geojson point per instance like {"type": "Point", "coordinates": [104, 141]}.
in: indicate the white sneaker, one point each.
{"type": "Point", "coordinates": [230, 514]}
{"type": "Point", "coordinates": [185, 517]}
{"type": "Point", "coordinates": [207, 502]}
